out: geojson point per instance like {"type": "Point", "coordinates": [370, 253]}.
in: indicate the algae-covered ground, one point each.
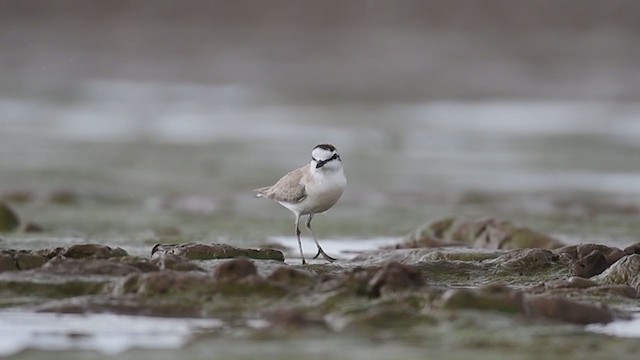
{"type": "Point", "coordinates": [439, 255]}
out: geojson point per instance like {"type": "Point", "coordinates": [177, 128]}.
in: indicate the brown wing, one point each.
{"type": "Point", "coordinates": [288, 189]}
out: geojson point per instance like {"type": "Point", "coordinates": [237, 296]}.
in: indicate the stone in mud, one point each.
{"type": "Point", "coordinates": [492, 298]}
{"type": "Point", "coordinates": [63, 266]}
{"type": "Point", "coordinates": [590, 265]}
{"type": "Point", "coordinates": [529, 261]}
{"type": "Point", "coordinates": [625, 271]}
{"type": "Point", "coordinates": [17, 196]}
{"type": "Point", "coordinates": [423, 242]}
{"type": "Point", "coordinates": [216, 251]}
{"type": "Point", "coordinates": [63, 197]}
{"type": "Point", "coordinates": [289, 276]}
{"type": "Point", "coordinates": [577, 252]}
{"type": "Point", "coordinates": [144, 265]}
{"type": "Point", "coordinates": [574, 282]}
{"type": "Point", "coordinates": [290, 319]}
{"type": "Point", "coordinates": [168, 283]}
{"type": "Point", "coordinates": [26, 261]}
{"type": "Point", "coordinates": [9, 220]}
{"type": "Point", "coordinates": [33, 228]}
{"type": "Point", "coordinates": [7, 263]}
{"type": "Point", "coordinates": [566, 310]}
{"type": "Point", "coordinates": [96, 251]}
{"type": "Point", "coordinates": [483, 234]}
{"type": "Point", "coordinates": [632, 249]}
{"type": "Point", "coordinates": [394, 277]}
{"type": "Point", "coordinates": [235, 269]}
{"type": "Point", "coordinates": [174, 262]}
{"type": "Point", "coordinates": [588, 260]}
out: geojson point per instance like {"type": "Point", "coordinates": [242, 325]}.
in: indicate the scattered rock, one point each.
{"type": "Point", "coordinates": [566, 310]}
{"type": "Point", "coordinates": [216, 251]}
{"type": "Point", "coordinates": [481, 234]}
{"type": "Point", "coordinates": [632, 249]}
{"type": "Point", "coordinates": [529, 261]}
{"type": "Point", "coordinates": [18, 196]}
{"type": "Point", "coordinates": [289, 276]}
{"type": "Point", "coordinates": [588, 260]}
{"type": "Point", "coordinates": [290, 319]}
{"type": "Point", "coordinates": [234, 270]}
{"type": "Point", "coordinates": [625, 271]}
{"type": "Point", "coordinates": [62, 266]}
{"type": "Point", "coordinates": [168, 282]}
{"type": "Point", "coordinates": [63, 197]}
{"type": "Point", "coordinates": [574, 282]}
{"type": "Point", "coordinates": [9, 220]}
{"type": "Point", "coordinates": [394, 277]}
{"type": "Point", "coordinates": [590, 265]}
{"type": "Point", "coordinates": [27, 261]}
{"type": "Point", "coordinates": [174, 262]}
{"type": "Point", "coordinates": [7, 263]}
{"type": "Point", "coordinates": [33, 228]}
{"type": "Point", "coordinates": [493, 297]}
{"type": "Point", "coordinates": [96, 251]}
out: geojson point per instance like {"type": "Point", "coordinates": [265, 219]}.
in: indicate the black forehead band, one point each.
{"type": "Point", "coordinates": [320, 163]}
{"type": "Point", "coordinates": [327, 147]}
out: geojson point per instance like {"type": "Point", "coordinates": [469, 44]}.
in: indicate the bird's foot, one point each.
{"type": "Point", "coordinates": [324, 255]}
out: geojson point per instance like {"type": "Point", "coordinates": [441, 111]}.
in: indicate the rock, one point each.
{"type": "Point", "coordinates": [9, 220]}
{"type": "Point", "coordinates": [27, 288]}
{"type": "Point", "coordinates": [290, 319]}
{"type": "Point", "coordinates": [574, 282]}
{"type": "Point", "coordinates": [632, 249]}
{"type": "Point", "coordinates": [17, 196]}
{"type": "Point", "coordinates": [174, 262]}
{"type": "Point", "coordinates": [529, 261]}
{"type": "Point", "coordinates": [144, 265]}
{"type": "Point", "coordinates": [234, 270]}
{"type": "Point", "coordinates": [26, 261]}
{"type": "Point", "coordinates": [63, 197]}
{"type": "Point", "coordinates": [7, 263]}
{"type": "Point", "coordinates": [49, 253]}
{"type": "Point", "coordinates": [423, 242]}
{"type": "Point", "coordinates": [216, 251]}
{"type": "Point", "coordinates": [588, 260]}
{"type": "Point", "coordinates": [168, 282]}
{"type": "Point", "coordinates": [394, 277]}
{"type": "Point", "coordinates": [577, 252]}
{"type": "Point", "coordinates": [64, 266]}
{"type": "Point", "coordinates": [566, 310]}
{"type": "Point", "coordinates": [481, 234]}
{"type": "Point", "coordinates": [96, 251]}
{"type": "Point", "coordinates": [625, 271]}
{"type": "Point", "coordinates": [289, 276]}
{"type": "Point", "coordinates": [493, 297]}
{"type": "Point", "coordinates": [33, 228]}
{"type": "Point", "coordinates": [590, 265]}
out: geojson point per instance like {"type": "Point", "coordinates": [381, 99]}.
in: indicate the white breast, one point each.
{"type": "Point", "coordinates": [323, 191]}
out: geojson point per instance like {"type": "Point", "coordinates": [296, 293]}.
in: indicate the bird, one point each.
{"type": "Point", "coordinates": [309, 190]}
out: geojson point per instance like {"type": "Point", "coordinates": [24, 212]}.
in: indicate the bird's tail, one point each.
{"type": "Point", "coordinates": [261, 192]}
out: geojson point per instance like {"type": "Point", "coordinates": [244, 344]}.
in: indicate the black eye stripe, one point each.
{"type": "Point", "coordinates": [320, 163]}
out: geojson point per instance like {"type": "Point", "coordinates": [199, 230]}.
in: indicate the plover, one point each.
{"type": "Point", "coordinates": [310, 190]}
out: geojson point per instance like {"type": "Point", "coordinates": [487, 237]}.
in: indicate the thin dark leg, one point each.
{"type": "Point", "coordinates": [320, 251]}
{"type": "Point", "coordinates": [298, 236]}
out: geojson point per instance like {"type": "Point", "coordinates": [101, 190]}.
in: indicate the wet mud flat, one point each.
{"type": "Point", "coordinates": [455, 287]}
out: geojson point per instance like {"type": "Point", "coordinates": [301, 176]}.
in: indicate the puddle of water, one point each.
{"type": "Point", "coordinates": [626, 328]}
{"type": "Point", "coordinates": [343, 248]}
{"type": "Point", "coordinates": [105, 333]}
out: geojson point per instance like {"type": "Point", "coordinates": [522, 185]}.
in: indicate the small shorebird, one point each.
{"type": "Point", "coordinates": [309, 190]}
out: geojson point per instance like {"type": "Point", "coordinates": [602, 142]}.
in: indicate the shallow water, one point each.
{"type": "Point", "coordinates": [140, 158]}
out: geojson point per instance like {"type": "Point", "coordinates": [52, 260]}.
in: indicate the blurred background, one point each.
{"type": "Point", "coordinates": [496, 108]}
